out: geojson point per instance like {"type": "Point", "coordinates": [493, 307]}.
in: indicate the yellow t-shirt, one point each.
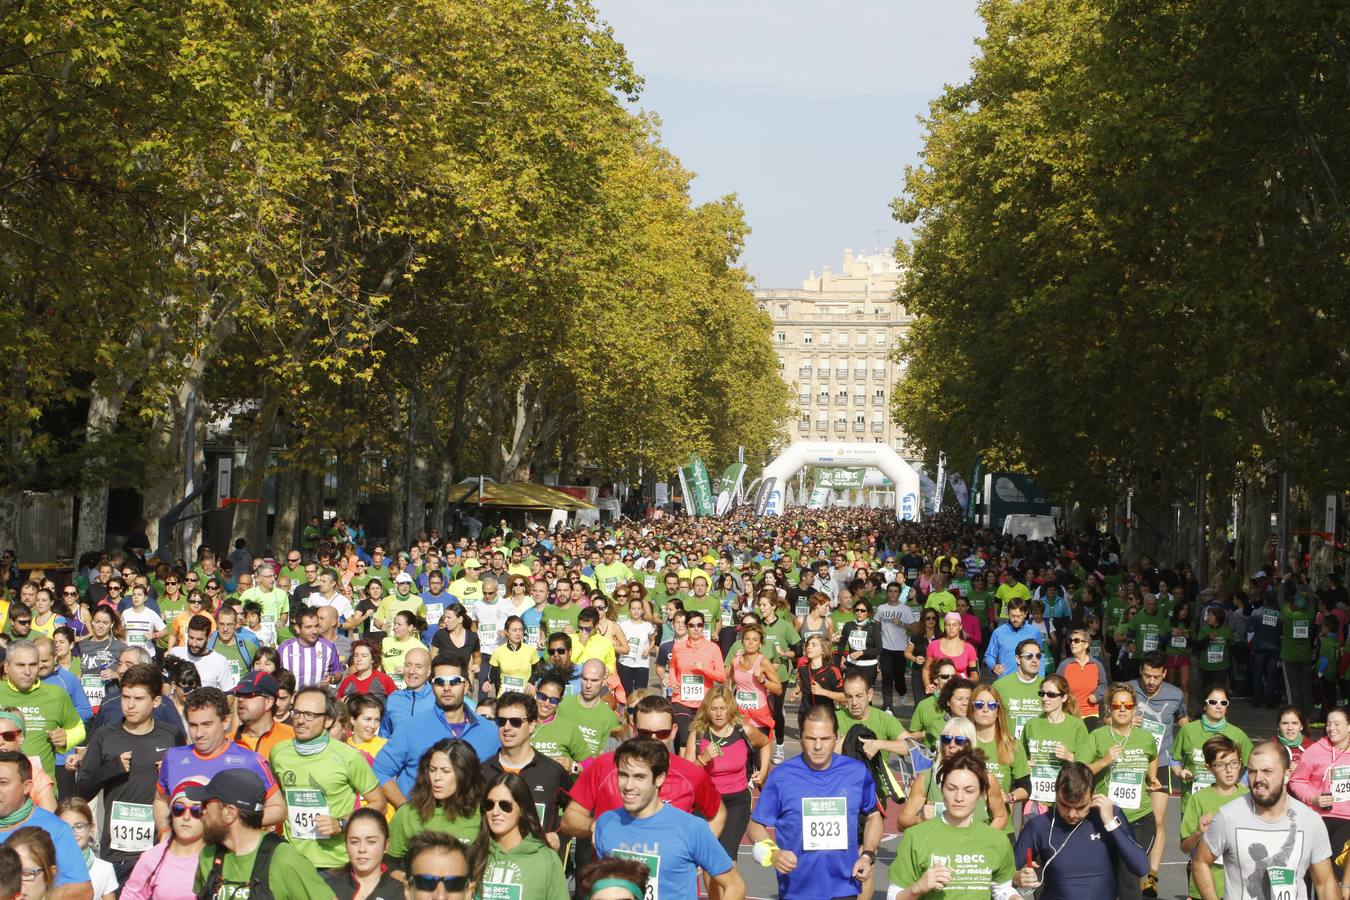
{"type": "Point", "coordinates": [598, 647]}
{"type": "Point", "coordinates": [395, 651]}
{"type": "Point", "coordinates": [515, 666]}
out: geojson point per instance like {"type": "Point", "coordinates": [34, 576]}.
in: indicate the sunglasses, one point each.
{"type": "Point", "coordinates": [195, 810]}
{"type": "Point", "coordinates": [1220, 703]}
{"type": "Point", "coordinates": [506, 806]}
{"type": "Point", "coordinates": [23, 622]}
{"type": "Point", "coordinates": [70, 593]}
{"type": "Point", "coordinates": [513, 721]}
{"type": "Point", "coordinates": [448, 680]}
{"type": "Point", "coordinates": [861, 609]}
{"type": "Point", "coordinates": [557, 651]}
{"type": "Point", "coordinates": [1077, 641]}
{"type": "Point", "coordinates": [10, 735]}
{"type": "Point", "coordinates": [947, 677]}
{"type": "Point", "coordinates": [426, 884]}
{"type": "Point", "coordinates": [662, 735]}
{"type": "Point", "coordinates": [959, 740]}
{"type": "Point", "coordinates": [172, 583]}
{"type": "Point", "coordinates": [1031, 656]}
{"type": "Point", "coordinates": [114, 587]}
{"type": "Point", "coordinates": [984, 704]}
{"type": "Point", "coordinates": [1129, 704]}
{"type": "Point", "coordinates": [549, 698]}
{"type": "Point", "coordinates": [694, 625]}
{"type": "Point", "coordinates": [1051, 694]}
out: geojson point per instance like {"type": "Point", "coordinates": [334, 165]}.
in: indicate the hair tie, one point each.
{"type": "Point", "coordinates": [17, 719]}
{"type": "Point", "coordinates": [624, 883]}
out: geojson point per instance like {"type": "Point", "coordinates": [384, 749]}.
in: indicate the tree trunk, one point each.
{"type": "Point", "coordinates": [105, 406]}
{"type": "Point", "coordinates": [1253, 538]}
{"type": "Point", "coordinates": [1218, 508]}
{"type": "Point", "coordinates": [397, 499]}
{"type": "Point", "coordinates": [251, 518]}
{"type": "Point", "coordinates": [348, 481]}
{"type": "Point", "coordinates": [285, 534]}
{"type": "Point", "coordinates": [11, 501]}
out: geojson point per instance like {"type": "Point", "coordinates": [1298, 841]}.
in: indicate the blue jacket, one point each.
{"type": "Point", "coordinates": [66, 681]}
{"type": "Point", "coordinates": [1003, 645]}
{"type": "Point", "coordinates": [403, 705]}
{"type": "Point", "coordinates": [1262, 636]}
{"type": "Point", "coordinates": [398, 759]}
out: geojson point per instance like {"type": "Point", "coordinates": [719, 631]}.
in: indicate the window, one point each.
{"type": "Point", "coordinates": [824, 398]}
{"type": "Point", "coordinates": [843, 339]}
{"type": "Point", "coordinates": [781, 337]}
{"type": "Point", "coordinates": [782, 310]}
{"type": "Point", "coordinates": [861, 420]}
{"type": "Point", "coordinates": [806, 338]}
{"type": "Point", "coordinates": [825, 339]}
{"type": "Point", "coordinates": [880, 340]}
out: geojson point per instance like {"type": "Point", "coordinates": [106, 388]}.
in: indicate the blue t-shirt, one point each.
{"type": "Point", "coordinates": [794, 788]}
{"type": "Point", "coordinates": [398, 759]}
{"type": "Point", "coordinates": [70, 867]}
{"type": "Point", "coordinates": [673, 845]}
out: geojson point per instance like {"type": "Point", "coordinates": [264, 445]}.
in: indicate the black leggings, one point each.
{"type": "Point", "coordinates": [892, 663]}
{"type": "Point", "coordinates": [738, 819]}
{"type": "Point", "coordinates": [779, 726]}
{"type": "Point", "coordinates": [633, 678]}
{"type": "Point", "coordinates": [868, 672]}
{"type": "Point", "coordinates": [1338, 831]}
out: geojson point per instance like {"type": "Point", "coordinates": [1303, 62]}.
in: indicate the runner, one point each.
{"type": "Point", "coordinates": [754, 679]}
{"type": "Point", "coordinates": [1188, 755]}
{"type": "Point", "coordinates": [414, 697]}
{"type": "Point", "coordinates": [897, 618]}
{"type": "Point", "coordinates": [1322, 780]}
{"type": "Point", "coordinates": [445, 797]}
{"type": "Point", "coordinates": [560, 741]}
{"type": "Point", "coordinates": [814, 803]}
{"type": "Point", "coordinates": [924, 801]}
{"type": "Point", "coordinates": [17, 813]}
{"type": "Point", "coordinates": [1086, 677]}
{"type": "Point", "coordinates": [860, 642]}
{"type": "Point", "coordinates": [728, 747]}
{"type": "Point", "coordinates": [696, 665]}
{"type": "Point", "coordinates": [255, 706]}
{"type": "Point", "coordinates": [1160, 709]}
{"type": "Point", "coordinates": [673, 844]}
{"type": "Point", "coordinates": [1124, 760]}
{"type": "Point", "coordinates": [819, 681]}
{"type": "Point", "coordinates": [1266, 841]}
{"type": "Point", "coordinates": [322, 780]}
{"type": "Point", "coordinates": [1053, 738]}
{"type": "Point", "coordinates": [1020, 688]}
{"type": "Point", "coordinates": [928, 718]}
{"type": "Point", "coordinates": [1291, 732]}
{"type": "Point", "coordinates": [953, 855]}
{"type": "Point", "coordinates": [312, 659]}
{"type": "Point", "coordinates": [1077, 848]}
{"type": "Point", "coordinates": [544, 779]}
{"type": "Point", "coordinates": [438, 866]}
{"type": "Point", "coordinates": [51, 724]}
{"type": "Point", "coordinates": [589, 711]}
{"type": "Point", "coordinates": [121, 764]}
{"type": "Point", "coordinates": [1004, 755]}
{"type": "Point", "coordinates": [214, 669]}
{"type": "Point", "coordinates": [367, 840]}
{"type": "Point", "coordinates": [166, 870]}
{"type": "Point", "coordinates": [512, 856]}
{"type": "Point", "coordinates": [1224, 763]}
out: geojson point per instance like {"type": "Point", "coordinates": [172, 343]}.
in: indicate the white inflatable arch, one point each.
{"type": "Point", "coordinates": [769, 499]}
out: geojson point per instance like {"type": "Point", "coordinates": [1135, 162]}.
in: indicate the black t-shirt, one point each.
{"type": "Point", "coordinates": [827, 676]}
{"type": "Point", "coordinates": [367, 628]}
{"type": "Point", "coordinates": [912, 564]}
{"type": "Point", "coordinates": [547, 780]}
{"type": "Point", "coordinates": [442, 645]}
{"type": "Point", "coordinates": [102, 771]}
{"type": "Point", "coordinates": [344, 886]}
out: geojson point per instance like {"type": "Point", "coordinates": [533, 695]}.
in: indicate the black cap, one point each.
{"type": "Point", "coordinates": [237, 787]}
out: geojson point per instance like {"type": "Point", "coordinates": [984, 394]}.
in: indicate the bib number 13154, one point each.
{"type": "Point", "coordinates": [824, 823]}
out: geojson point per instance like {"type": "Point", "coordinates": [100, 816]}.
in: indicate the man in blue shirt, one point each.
{"type": "Point", "coordinates": [414, 697]}
{"type": "Point", "coordinates": [673, 844]}
{"type": "Point", "coordinates": [813, 802]}
{"type": "Point", "coordinates": [17, 811]}
{"type": "Point", "coordinates": [1001, 656]}
{"type": "Point", "coordinates": [396, 764]}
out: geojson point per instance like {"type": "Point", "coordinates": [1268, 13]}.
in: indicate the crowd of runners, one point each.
{"type": "Point", "coordinates": [614, 713]}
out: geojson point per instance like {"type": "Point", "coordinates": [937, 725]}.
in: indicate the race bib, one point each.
{"type": "Point", "coordinates": [1340, 784]}
{"type": "Point", "coordinates": [726, 618]}
{"type": "Point", "coordinates": [653, 864]}
{"type": "Point", "coordinates": [434, 613]}
{"type": "Point", "coordinates": [93, 689]}
{"type": "Point", "coordinates": [532, 636]}
{"type": "Point", "coordinates": [747, 699]}
{"type": "Point", "coordinates": [857, 640]}
{"type": "Point", "coordinates": [398, 681]}
{"type": "Point", "coordinates": [1202, 780]}
{"type": "Point", "coordinates": [1178, 642]}
{"type": "Point", "coordinates": [692, 688]}
{"type": "Point", "coordinates": [1270, 618]}
{"type": "Point", "coordinates": [1126, 788]}
{"type": "Point", "coordinates": [649, 582]}
{"type": "Point", "coordinates": [1020, 721]}
{"type": "Point", "coordinates": [236, 669]}
{"type": "Point", "coordinates": [1043, 783]}
{"type": "Point", "coordinates": [1158, 730]}
{"type": "Point", "coordinates": [133, 826]}
{"type": "Point", "coordinates": [1214, 652]}
{"type": "Point", "coordinates": [824, 823]}
{"type": "Point", "coordinates": [1301, 629]}
{"type": "Point", "coordinates": [138, 633]}
{"type": "Point", "coordinates": [1283, 883]}
{"type": "Point", "coordinates": [1150, 641]}
{"type": "Point", "coordinates": [633, 644]}
{"type": "Point", "coordinates": [511, 683]}
{"type": "Point", "coordinates": [303, 808]}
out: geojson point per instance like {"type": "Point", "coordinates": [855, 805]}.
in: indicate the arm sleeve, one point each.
{"type": "Point", "coordinates": [1100, 692]}
{"type": "Point", "coordinates": [991, 654]}
{"type": "Point", "coordinates": [1120, 841]}
{"type": "Point", "coordinates": [1301, 783]}
{"type": "Point", "coordinates": [389, 761]}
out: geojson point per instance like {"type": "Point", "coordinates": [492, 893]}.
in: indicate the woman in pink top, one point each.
{"type": "Point", "coordinates": [952, 645]}
{"type": "Point", "coordinates": [1322, 780]}
{"type": "Point", "coordinates": [166, 870]}
{"type": "Point", "coordinates": [720, 740]}
{"type": "Point", "coordinates": [755, 678]}
{"type": "Point", "coordinates": [696, 667]}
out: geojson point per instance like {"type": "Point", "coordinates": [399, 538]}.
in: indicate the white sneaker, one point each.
{"type": "Point", "coordinates": [777, 754]}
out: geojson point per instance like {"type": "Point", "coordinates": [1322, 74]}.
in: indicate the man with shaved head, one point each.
{"type": "Point", "coordinates": [588, 711]}
{"type": "Point", "coordinates": [414, 697]}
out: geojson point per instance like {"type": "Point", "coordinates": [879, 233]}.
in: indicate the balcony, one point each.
{"type": "Point", "coordinates": [878, 427]}
{"type": "Point", "coordinates": [840, 425]}
{"type": "Point", "coordinates": [804, 399]}
{"type": "Point", "coordinates": [841, 373]}
{"type": "Point", "coordinates": [859, 400]}
{"type": "Point", "coordinates": [879, 374]}
{"type": "Point", "coordinates": [878, 401]}
{"type": "Point", "coordinates": [803, 424]}
{"type": "Point", "coordinates": [804, 372]}
{"type": "Point", "coordinates": [824, 375]}
{"type": "Point", "coordinates": [859, 426]}
{"type": "Point", "coordinates": [841, 400]}
{"type": "Point", "coordinates": [859, 374]}
{"type": "Point", "coordinates": [823, 424]}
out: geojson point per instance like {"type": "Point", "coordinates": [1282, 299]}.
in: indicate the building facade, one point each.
{"type": "Point", "coordinates": [834, 338]}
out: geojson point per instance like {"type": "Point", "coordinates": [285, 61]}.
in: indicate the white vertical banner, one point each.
{"type": "Point", "coordinates": [941, 483]}
{"type": "Point", "coordinates": [684, 492]}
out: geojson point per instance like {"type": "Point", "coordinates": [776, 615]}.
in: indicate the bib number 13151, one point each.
{"type": "Point", "coordinates": [824, 823]}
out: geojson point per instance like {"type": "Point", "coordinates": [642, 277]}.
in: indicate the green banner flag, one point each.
{"type": "Point", "coordinates": [699, 496]}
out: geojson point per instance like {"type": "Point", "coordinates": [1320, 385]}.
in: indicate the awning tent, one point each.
{"type": "Point", "coordinates": [515, 495]}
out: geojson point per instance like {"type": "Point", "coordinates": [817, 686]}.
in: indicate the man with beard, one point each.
{"type": "Point", "coordinates": [1267, 841]}
{"type": "Point", "coordinates": [213, 667]}
{"type": "Point", "coordinates": [238, 856]}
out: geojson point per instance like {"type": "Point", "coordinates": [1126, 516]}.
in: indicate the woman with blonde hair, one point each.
{"type": "Point", "coordinates": [924, 800]}
{"type": "Point", "coordinates": [817, 618]}
{"type": "Point", "coordinates": [1003, 754]}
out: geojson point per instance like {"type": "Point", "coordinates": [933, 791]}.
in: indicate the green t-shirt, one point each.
{"type": "Point", "coordinates": [275, 603]}
{"type": "Point", "coordinates": [44, 707]}
{"type": "Point", "coordinates": [595, 723]}
{"type": "Point", "coordinates": [711, 608]}
{"type": "Point", "coordinates": [560, 618]}
{"type": "Point", "coordinates": [1006, 773]}
{"type": "Point", "coordinates": [1297, 633]}
{"type": "Point", "coordinates": [296, 575]}
{"type": "Point", "coordinates": [928, 719]}
{"type": "Point", "coordinates": [609, 577]}
{"type": "Point", "coordinates": [881, 723]}
{"type": "Point", "coordinates": [557, 740]}
{"type": "Point", "coordinates": [1040, 736]}
{"type": "Point", "coordinates": [406, 824]}
{"type": "Point", "coordinates": [943, 601]}
{"type": "Point", "coordinates": [782, 637]}
{"type": "Point", "coordinates": [1126, 781]}
{"type": "Point", "coordinates": [233, 657]}
{"type": "Point", "coordinates": [978, 856]}
{"type": "Point", "coordinates": [1021, 702]}
{"type": "Point", "coordinates": [1188, 752]}
{"type": "Point", "coordinates": [1148, 631]}
{"type": "Point", "coordinates": [289, 877]}
{"type": "Point", "coordinates": [1205, 802]}
{"type": "Point", "coordinates": [980, 602]}
{"type": "Point", "coordinates": [168, 611]}
{"type": "Point", "coordinates": [1213, 644]}
{"type": "Point", "coordinates": [325, 784]}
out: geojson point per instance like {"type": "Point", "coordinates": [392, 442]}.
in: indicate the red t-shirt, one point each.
{"type": "Point", "coordinates": [687, 787]}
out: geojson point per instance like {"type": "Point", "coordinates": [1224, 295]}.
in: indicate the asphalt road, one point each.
{"type": "Point", "coordinates": [1257, 723]}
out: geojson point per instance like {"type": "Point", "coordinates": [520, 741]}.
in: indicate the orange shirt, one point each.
{"type": "Point", "coordinates": [685, 659]}
{"type": "Point", "coordinates": [1084, 679]}
{"type": "Point", "coordinates": [262, 746]}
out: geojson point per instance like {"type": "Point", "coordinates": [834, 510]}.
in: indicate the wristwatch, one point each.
{"type": "Point", "coordinates": [871, 853]}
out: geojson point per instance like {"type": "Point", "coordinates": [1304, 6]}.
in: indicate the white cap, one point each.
{"type": "Point", "coordinates": [1260, 573]}
{"type": "Point", "coordinates": [403, 576]}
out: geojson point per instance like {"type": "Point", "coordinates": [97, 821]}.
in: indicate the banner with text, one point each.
{"type": "Point", "coordinates": [834, 477]}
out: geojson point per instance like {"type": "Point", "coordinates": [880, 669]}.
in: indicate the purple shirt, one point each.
{"type": "Point", "coordinates": [312, 664]}
{"type": "Point", "coordinates": [185, 764]}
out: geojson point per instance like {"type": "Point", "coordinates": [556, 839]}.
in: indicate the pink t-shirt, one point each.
{"type": "Point", "coordinates": [161, 876]}
{"type": "Point", "coordinates": [728, 770]}
{"type": "Point", "coordinates": [964, 661]}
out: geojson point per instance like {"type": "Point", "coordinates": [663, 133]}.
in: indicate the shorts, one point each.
{"type": "Point", "coordinates": [1168, 781]}
{"type": "Point", "coordinates": [1175, 663]}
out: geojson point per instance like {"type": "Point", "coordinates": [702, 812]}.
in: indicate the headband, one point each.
{"type": "Point", "coordinates": [618, 883]}
{"type": "Point", "coordinates": [15, 718]}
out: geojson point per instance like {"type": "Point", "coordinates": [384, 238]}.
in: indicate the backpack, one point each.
{"type": "Point", "coordinates": [257, 879]}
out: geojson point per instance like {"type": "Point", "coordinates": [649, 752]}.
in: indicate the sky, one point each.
{"type": "Point", "coordinates": [807, 110]}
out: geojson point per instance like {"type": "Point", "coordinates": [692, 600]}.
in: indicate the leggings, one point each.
{"type": "Point", "coordinates": [892, 664]}
{"type": "Point", "coordinates": [738, 819]}
{"type": "Point", "coordinates": [1338, 830]}
{"type": "Point", "coordinates": [1128, 886]}
{"type": "Point", "coordinates": [633, 678]}
{"type": "Point", "coordinates": [868, 672]}
{"type": "Point", "coordinates": [779, 726]}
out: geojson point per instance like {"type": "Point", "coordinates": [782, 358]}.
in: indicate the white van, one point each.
{"type": "Point", "coordinates": [1033, 528]}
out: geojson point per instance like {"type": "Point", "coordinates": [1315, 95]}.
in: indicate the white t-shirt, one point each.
{"type": "Point", "coordinates": [1249, 846]}
{"type": "Point", "coordinates": [893, 620]}
{"type": "Point", "coordinates": [639, 636]}
{"type": "Point", "coordinates": [103, 878]}
{"type": "Point", "coordinates": [213, 668]}
{"type": "Point", "coordinates": [337, 601]}
{"type": "Point", "coordinates": [490, 617]}
{"type": "Point", "coordinates": [140, 624]}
